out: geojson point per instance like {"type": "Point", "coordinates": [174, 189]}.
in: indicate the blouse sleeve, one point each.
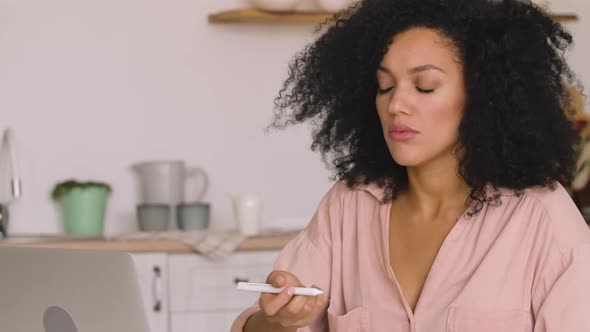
{"type": "Point", "coordinates": [308, 257]}
{"type": "Point", "coordinates": [563, 302]}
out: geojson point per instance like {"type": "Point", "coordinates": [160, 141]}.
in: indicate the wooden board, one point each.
{"type": "Point", "coordinates": [259, 16]}
{"type": "Point", "coordinates": [564, 18]}
{"type": "Point", "coordinates": [274, 242]}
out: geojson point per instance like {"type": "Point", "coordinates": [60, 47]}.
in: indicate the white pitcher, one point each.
{"type": "Point", "coordinates": [165, 182]}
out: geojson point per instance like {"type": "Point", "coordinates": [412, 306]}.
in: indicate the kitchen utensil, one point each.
{"type": "Point", "coordinates": [165, 182]}
{"type": "Point", "coordinates": [153, 217]}
{"type": "Point", "coordinates": [247, 208]}
{"type": "Point", "coordinates": [192, 216]}
{"type": "Point", "coordinates": [275, 5]}
{"type": "Point", "coordinates": [334, 6]}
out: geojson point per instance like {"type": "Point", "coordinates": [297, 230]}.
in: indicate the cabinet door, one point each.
{"type": "Point", "coordinates": [204, 321]}
{"type": "Point", "coordinates": [200, 285]}
{"type": "Point", "coordinates": [152, 272]}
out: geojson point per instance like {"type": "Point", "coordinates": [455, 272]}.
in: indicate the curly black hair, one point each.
{"type": "Point", "coordinates": [515, 131]}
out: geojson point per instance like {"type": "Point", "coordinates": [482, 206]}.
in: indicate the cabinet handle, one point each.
{"type": "Point", "coordinates": [238, 280]}
{"type": "Point", "coordinates": [157, 289]}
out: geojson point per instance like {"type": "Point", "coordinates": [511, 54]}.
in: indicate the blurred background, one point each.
{"type": "Point", "coordinates": [91, 88]}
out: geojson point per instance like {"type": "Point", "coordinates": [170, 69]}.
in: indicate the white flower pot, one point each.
{"type": "Point", "coordinates": [334, 6]}
{"type": "Point", "coordinates": [275, 5]}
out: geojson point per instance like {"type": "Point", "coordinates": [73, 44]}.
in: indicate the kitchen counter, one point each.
{"type": "Point", "coordinates": [270, 242]}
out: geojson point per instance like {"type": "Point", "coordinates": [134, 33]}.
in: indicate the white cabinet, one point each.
{"type": "Point", "coordinates": [152, 272]}
{"type": "Point", "coordinates": [203, 295]}
{"type": "Point", "coordinates": [204, 321]}
{"type": "Point", "coordinates": [189, 293]}
{"type": "Point", "coordinates": [198, 285]}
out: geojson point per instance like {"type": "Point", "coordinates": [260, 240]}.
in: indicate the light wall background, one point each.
{"type": "Point", "coordinates": [91, 87]}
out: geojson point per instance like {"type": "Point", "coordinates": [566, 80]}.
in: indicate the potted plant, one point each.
{"type": "Point", "coordinates": [83, 206]}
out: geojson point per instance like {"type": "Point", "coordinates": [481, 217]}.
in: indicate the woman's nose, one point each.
{"type": "Point", "coordinates": [397, 103]}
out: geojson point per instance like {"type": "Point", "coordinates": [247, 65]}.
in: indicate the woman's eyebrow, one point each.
{"type": "Point", "coordinates": [414, 70]}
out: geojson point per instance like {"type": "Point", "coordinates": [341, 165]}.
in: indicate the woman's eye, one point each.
{"type": "Point", "coordinates": [386, 90]}
{"type": "Point", "coordinates": [424, 90]}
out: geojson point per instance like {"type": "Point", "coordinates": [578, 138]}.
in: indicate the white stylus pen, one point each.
{"type": "Point", "coordinates": [266, 288]}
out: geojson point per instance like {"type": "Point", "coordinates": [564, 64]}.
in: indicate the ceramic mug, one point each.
{"type": "Point", "coordinates": [247, 209]}
{"type": "Point", "coordinates": [333, 6]}
{"type": "Point", "coordinates": [153, 217]}
{"type": "Point", "coordinates": [168, 182]}
{"type": "Point", "coordinates": [193, 216]}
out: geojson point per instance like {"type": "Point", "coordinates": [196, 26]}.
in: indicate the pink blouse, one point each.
{"type": "Point", "coordinates": [520, 266]}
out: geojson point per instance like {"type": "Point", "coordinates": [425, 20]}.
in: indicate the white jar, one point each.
{"type": "Point", "coordinates": [333, 6]}
{"type": "Point", "coordinates": [275, 5]}
{"type": "Point", "coordinates": [247, 212]}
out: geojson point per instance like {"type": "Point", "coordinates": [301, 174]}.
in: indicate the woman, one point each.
{"type": "Point", "coordinates": [444, 122]}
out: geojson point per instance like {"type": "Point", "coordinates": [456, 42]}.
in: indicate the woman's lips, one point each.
{"type": "Point", "coordinates": [402, 135]}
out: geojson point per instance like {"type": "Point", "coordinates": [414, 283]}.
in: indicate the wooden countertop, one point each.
{"type": "Point", "coordinates": [270, 242]}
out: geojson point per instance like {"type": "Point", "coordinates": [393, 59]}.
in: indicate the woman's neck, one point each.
{"type": "Point", "coordinates": [436, 190]}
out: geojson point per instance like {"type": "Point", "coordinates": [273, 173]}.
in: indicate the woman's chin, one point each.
{"type": "Point", "coordinates": [407, 161]}
{"type": "Point", "coordinates": [406, 156]}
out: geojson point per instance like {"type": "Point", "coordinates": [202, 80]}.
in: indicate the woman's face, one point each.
{"type": "Point", "coordinates": [421, 97]}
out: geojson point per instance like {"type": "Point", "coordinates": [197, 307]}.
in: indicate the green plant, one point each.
{"type": "Point", "coordinates": [64, 187]}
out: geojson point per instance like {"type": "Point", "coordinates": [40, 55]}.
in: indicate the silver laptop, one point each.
{"type": "Point", "coordinates": [56, 290]}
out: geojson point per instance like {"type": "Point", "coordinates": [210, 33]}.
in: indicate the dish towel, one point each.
{"type": "Point", "coordinates": [213, 244]}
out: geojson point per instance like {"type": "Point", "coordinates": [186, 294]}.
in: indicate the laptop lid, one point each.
{"type": "Point", "coordinates": [58, 290]}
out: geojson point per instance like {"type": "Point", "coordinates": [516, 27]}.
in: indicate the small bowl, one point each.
{"type": "Point", "coordinates": [275, 5]}
{"type": "Point", "coordinates": [334, 6]}
{"type": "Point", "coordinates": [153, 217]}
{"type": "Point", "coordinates": [192, 216]}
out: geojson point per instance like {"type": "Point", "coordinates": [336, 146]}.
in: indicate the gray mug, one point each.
{"type": "Point", "coordinates": [153, 217]}
{"type": "Point", "coordinates": [193, 216]}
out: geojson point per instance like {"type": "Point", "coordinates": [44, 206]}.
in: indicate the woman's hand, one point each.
{"type": "Point", "coordinates": [286, 309]}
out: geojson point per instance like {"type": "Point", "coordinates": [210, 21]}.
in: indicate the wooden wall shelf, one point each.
{"type": "Point", "coordinates": [563, 18]}
{"type": "Point", "coordinates": [259, 16]}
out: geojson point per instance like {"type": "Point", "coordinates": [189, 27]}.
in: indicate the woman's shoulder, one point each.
{"type": "Point", "coordinates": [339, 205]}
{"type": "Point", "coordinates": [343, 202]}
{"type": "Point", "coordinates": [342, 191]}
{"type": "Point", "coordinates": [559, 214]}
{"type": "Point", "coordinates": [554, 200]}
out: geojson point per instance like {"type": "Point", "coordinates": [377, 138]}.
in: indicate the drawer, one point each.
{"type": "Point", "coordinates": [237, 259]}
{"type": "Point", "coordinates": [207, 321]}
{"type": "Point", "coordinates": [197, 284]}
{"type": "Point", "coordinates": [152, 274]}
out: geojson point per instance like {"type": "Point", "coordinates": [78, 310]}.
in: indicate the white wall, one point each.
{"type": "Point", "coordinates": [580, 53]}
{"type": "Point", "coordinates": [91, 87]}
